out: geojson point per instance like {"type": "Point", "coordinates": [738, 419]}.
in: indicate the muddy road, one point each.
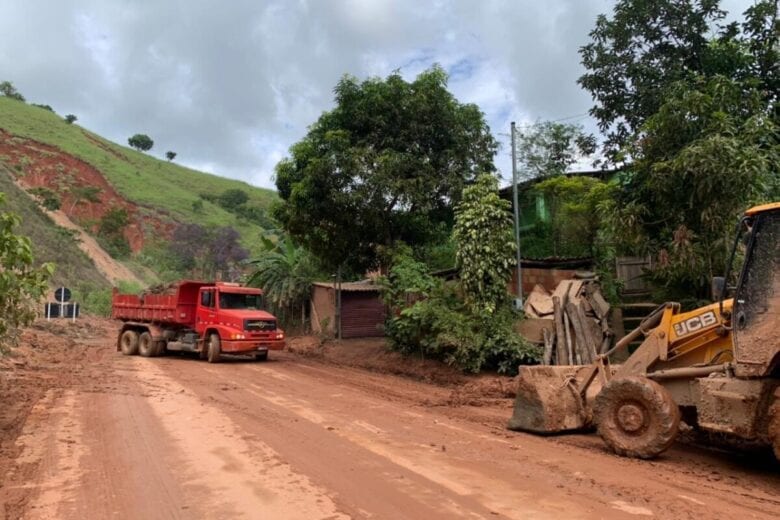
{"type": "Point", "coordinates": [88, 433]}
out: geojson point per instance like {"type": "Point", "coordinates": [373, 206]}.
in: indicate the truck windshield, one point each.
{"type": "Point", "coordinates": [240, 301]}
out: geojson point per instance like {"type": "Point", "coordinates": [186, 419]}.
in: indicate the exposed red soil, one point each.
{"type": "Point", "coordinates": [42, 165]}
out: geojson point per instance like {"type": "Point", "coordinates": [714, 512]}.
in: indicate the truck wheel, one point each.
{"type": "Point", "coordinates": [261, 356]}
{"type": "Point", "coordinates": [128, 343]}
{"type": "Point", "coordinates": [636, 417]}
{"type": "Point", "coordinates": [774, 425]}
{"type": "Point", "coordinates": [146, 346]}
{"type": "Point", "coordinates": [215, 348]}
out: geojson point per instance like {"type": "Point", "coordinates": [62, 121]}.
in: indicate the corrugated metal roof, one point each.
{"type": "Point", "coordinates": [350, 286]}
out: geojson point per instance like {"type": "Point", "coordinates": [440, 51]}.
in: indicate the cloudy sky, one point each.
{"type": "Point", "coordinates": [231, 85]}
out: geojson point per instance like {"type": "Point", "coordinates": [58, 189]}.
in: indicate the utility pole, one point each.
{"type": "Point", "coordinates": [519, 300]}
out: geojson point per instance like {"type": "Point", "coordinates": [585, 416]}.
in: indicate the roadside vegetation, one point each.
{"type": "Point", "coordinates": [22, 283]}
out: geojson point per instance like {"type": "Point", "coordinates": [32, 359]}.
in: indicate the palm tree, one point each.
{"type": "Point", "coordinates": [285, 273]}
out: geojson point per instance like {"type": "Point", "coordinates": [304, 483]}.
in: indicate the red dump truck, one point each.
{"type": "Point", "coordinates": [193, 316]}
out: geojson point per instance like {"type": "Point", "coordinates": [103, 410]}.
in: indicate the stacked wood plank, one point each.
{"type": "Point", "coordinates": [572, 322]}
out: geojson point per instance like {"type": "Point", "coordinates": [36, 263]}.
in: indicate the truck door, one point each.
{"type": "Point", "coordinates": [207, 312]}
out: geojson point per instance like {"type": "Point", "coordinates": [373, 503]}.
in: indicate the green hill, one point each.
{"type": "Point", "coordinates": [157, 187]}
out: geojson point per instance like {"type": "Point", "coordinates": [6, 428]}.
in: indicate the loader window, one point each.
{"type": "Point", "coordinates": [758, 297]}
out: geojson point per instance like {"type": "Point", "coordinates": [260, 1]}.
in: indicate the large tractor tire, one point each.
{"type": "Point", "coordinates": [128, 343]}
{"type": "Point", "coordinates": [214, 348]}
{"type": "Point", "coordinates": [146, 347]}
{"type": "Point", "coordinates": [636, 417]}
{"type": "Point", "coordinates": [774, 425]}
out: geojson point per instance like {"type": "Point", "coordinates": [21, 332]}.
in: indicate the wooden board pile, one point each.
{"type": "Point", "coordinates": [573, 321]}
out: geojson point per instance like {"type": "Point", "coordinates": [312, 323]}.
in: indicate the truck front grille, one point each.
{"type": "Point", "coordinates": [259, 325]}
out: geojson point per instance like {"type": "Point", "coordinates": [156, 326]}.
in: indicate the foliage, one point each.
{"type": "Point", "coordinates": [573, 225]}
{"type": "Point", "coordinates": [170, 155]}
{"type": "Point", "coordinates": [232, 198]}
{"type": "Point", "coordinates": [386, 164]}
{"type": "Point", "coordinates": [485, 245]}
{"type": "Point", "coordinates": [197, 206]}
{"type": "Point", "coordinates": [45, 107]}
{"type": "Point", "coordinates": [111, 234]}
{"type": "Point", "coordinates": [8, 90]}
{"type": "Point", "coordinates": [431, 318]}
{"type": "Point", "coordinates": [203, 252]}
{"type": "Point", "coordinates": [82, 194]}
{"type": "Point", "coordinates": [709, 152]}
{"type": "Point", "coordinates": [49, 199]}
{"type": "Point", "coordinates": [635, 56]}
{"type": "Point", "coordinates": [141, 142]}
{"type": "Point", "coordinates": [548, 148]}
{"type": "Point", "coordinates": [140, 178]}
{"type": "Point", "coordinates": [70, 119]}
{"type": "Point", "coordinates": [285, 274]}
{"type": "Point", "coordinates": [22, 284]}
{"type": "Point", "coordinates": [97, 299]}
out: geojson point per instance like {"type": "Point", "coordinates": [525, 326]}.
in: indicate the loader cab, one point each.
{"type": "Point", "coordinates": [756, 312]}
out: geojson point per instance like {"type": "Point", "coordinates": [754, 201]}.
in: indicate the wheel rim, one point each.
{"type": "Point", "coordinates": [632, 418]}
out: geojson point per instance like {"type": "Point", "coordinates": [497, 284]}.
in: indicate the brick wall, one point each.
{"type": "Point", "coordinates": [549, 278]}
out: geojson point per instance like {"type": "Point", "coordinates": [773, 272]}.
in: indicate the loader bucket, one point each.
{"type": "Point", "coordinates": [548, 399]}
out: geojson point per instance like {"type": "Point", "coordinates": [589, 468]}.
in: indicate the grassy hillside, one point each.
{"type": "Point", "coordinates": [50, 242]}
{"type": "Point", "coordinates": [141, 179]}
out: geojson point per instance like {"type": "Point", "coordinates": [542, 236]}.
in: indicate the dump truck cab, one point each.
{"type": "Point", "coordinates": [236, 314]}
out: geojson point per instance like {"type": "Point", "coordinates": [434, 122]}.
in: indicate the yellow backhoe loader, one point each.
{"type": "Point", "coordinates": [717, 367]}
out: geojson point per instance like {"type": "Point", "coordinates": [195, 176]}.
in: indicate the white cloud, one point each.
{"type": "Point", "coordinates": [231, 87]}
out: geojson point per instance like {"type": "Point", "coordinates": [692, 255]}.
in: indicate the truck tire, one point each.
{"type": "Point", "coordinates": [146, 347]}
{"type": "Point", "coordinates": [636, 417]}
{"type": "Point", "coordinates": [261, 356]}
{"type": "Point", "coordinates": [128, 343]}
{"type": "Point", "coordinates": [214, 348]}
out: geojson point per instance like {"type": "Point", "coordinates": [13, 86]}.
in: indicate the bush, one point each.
{"type": "Point", "coordinates": [46, 197]}
{"type": "Point", "coordinates": [440, 325]}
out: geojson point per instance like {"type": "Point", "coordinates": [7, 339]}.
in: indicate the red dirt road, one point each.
{"type": "Point", "coordinates": [300, 437]}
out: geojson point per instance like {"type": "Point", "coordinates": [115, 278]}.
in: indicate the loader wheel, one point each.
{"type": "Point", "coordinates": [636, 417]}
{"type": "Point", "coordinates": [128, 343]}
{"type": "Point", "coordinates": [215, 348]}
{"type": "Point", "coordinates": [774, 426]}
{"type": "Point", "coordinates": [146, 346]}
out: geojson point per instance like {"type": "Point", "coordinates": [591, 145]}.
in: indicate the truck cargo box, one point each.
{"type": "Point", "coordinates": [176, 306]}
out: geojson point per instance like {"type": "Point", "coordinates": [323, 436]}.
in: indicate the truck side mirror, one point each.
{"type": "Point", "coordinates": [718, 286]}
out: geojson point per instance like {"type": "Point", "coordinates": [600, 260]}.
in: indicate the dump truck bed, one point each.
{"type": "Point", "coordinates": [174, 307]}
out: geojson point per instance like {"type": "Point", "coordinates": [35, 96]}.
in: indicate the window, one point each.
{"type": "Point", "coordinates": [207, 298]}
{"type": "Point", "coordinates": [240, 301]}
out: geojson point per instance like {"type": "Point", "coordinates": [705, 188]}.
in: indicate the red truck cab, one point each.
{"type": "Point", "coordinates": [209, 318]}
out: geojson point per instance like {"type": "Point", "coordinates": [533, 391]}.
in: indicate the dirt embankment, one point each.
{"type": "Point", "coordinates": [42, 165]}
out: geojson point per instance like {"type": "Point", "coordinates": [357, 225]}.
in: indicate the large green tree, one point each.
{"type": "Point", "coordinates": [709, 152]}
{"type": "Point", "coordinates": [646, 46]}
{"type": "Point", "coordinates": [386, 164]}
{"type": "Point", "coordinates": [549, 148]}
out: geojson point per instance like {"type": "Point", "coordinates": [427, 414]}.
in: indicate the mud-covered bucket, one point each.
{"type": "Point", "coordinates": [549, 400]}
